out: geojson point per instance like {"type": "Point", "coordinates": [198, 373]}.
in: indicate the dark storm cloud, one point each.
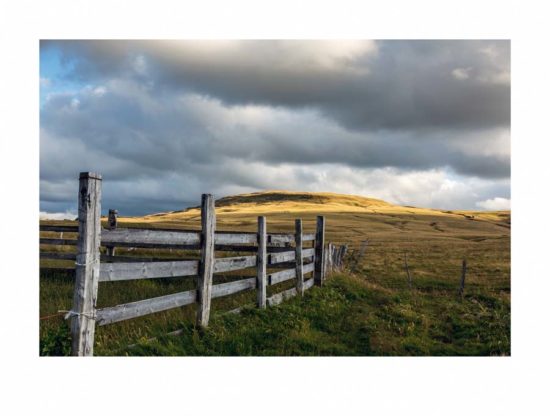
{"type": "Point", "coordinates": [166, 121]}
{"type": "Point", "coordinates": [364, 85]}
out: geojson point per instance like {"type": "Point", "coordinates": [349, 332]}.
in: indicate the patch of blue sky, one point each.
{"type": "Point", "coordinates": [55, 74]}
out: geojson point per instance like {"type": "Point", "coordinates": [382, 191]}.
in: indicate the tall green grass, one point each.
{"type": "Point", "coordinates": [349, 316]}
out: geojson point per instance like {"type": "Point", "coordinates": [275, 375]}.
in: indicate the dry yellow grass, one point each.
{"type": "Point", "coordinates": [435, 240]}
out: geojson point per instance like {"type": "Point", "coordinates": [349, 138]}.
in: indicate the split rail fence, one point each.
{"type": "Point", "coordinates": [273, 250]}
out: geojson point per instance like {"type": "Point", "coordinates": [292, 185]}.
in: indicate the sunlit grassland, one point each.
{"type": "Point", "coordinates": [371, 311]}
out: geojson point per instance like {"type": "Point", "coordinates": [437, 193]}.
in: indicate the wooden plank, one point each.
{"type": "Point", "coordinates": [58, 241]}
{"type": "Point", "coordinates": [281, 276]}
{"type": "Point", "coordinates": [110, 272]}
{"type": "Point", "coordinates": [145, 307]}
{"type": "Point", "coordinates": [279, 245]}
{"type": "Point", "coordinates": [282, 296]}
{"type": "Point", "coordinates": [308, 237]}
{"type": "Point", "coordinates": [308, 268]}
{"type": "Point", "coordinates": [58, 256]}
{"type": "Point", "coordinates": [261, 264]}
{"type": "Point", "coordinates": [206, 269]}
{"type": "Point", "coordinates": [240, 248]}
{"type": "Point", "coordinates": [280, 238]}
{"type": "Point", "coordinates": [228, 264]}
{"type": "Point", "coordinates": [319, 274]}
{"type": "Point", "coordinates": [136, 259]}
{"type": "Point", "coordinates": [147, 238]}
{"type": "Point", "coordinates": [308, 283]}
{"type": "Point", "coordinates": [275, 258]}
{"type": "Point", "coordinates": [235, 238]}
{"type": "Point", "coordinates": [299, 257]}
{"type": "Point", "coordinates": [308, 252]}
{"type": "Point", "coordinates": [60, 228]}
{"type": "Point", "coordinates": [226, 289]}
{"type": "Point", "coordinates": [87, 264]}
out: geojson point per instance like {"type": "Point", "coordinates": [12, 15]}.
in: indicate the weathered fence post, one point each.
{"type": "Point", "coordinates": [261, 264]}
{"type": "Point", "coordinates": [408, 272]}
{"type": "Point", "coordinates": [462, 279]}
{"type": "Point", "coordinates": [319, 274]}
{"type": "Point", "coordinates": [87, 264]}
{"type": "Point", "coordinates": [358, 258]}
{"type": "Point", "coordinates": [341, 254]}
{"type": "Point", "coordinates": [206, 267]}
{"type": "Point", "coordinates": [332, 257]}
{"type": "Point", "coordinates": [325, 265]}
{"type": "Point", "coordinates": [299, 259]}
{"type": "Point", "coordinates": [112, 224]}
{"type": "Point", "coordinates": [328, 259]}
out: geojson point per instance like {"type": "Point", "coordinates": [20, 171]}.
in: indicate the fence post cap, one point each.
{"type": "Point", "coordinates": [90, 175]}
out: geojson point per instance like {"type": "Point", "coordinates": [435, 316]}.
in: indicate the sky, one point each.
{"type": "Point", "coordinates": [421, 123]}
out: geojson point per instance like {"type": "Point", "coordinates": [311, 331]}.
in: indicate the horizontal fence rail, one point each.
{"type": "Point", "coordinates": [226, 289]}
{"type": "Point", "coordinates": [145, 307]}
{"type": "Point", "coordinates": [135, 238]}
{"type": "Point", "coordinates": [263, 250]}
{"type": "Point", "coordinates": [110, 272]}
{"type": "Point", "coordinates": [229, 264]}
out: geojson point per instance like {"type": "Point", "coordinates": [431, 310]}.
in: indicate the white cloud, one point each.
{"type": "Point", "coordinates": [461, 73]}
{"type": "Point", "coordinates": [495, 204]}
{"type": "Point", "coordinates": [67, 215]}
{"type": "Point", "coordinates": [99, 91]}
{"type": "Point", "coordinates": [140, 65]}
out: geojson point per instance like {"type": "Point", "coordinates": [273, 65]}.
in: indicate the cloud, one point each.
{"type": "Point", "coordinates": [160, 133]}
{"type": "Point", "coordinates": [495, 204]}
{"type": "Point", "coordinates": [461, 73]}
{"type": "Point", "coordinates": [57, 215]}
{"type": "Point", "coordinates": [167, 121]}
{"type": "Point", "coordinates": [360, 84]}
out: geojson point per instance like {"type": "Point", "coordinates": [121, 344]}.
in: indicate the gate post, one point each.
{"type": "Point", "coordinates": [299, 259]}
{"type": "Point", "coordinates": [206, 266]}
{"type": "Point", "coordinates": [261, 264]}
{"type": "Point", "coordinates": [87, 264]}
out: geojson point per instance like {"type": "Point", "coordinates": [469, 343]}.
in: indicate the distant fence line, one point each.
{"type": "Point", "coordinates": [270, 249]}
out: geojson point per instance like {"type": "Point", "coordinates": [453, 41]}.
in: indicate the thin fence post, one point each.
{"type": "Point", "coordinates": [358, 258]}
{"type": "Point", "coordinates": [299, 259]}
{"type": "Point", "coordinates": [328, 266]}
{"type": "Point", "coordinates": [87, 264]}
{"type": "Point", "coordinates": [206, 269]}
{"type": "Point", "coordinates": [462, 278]}
{"type": "Point", "coordinates": [328, 270]}
{"type": "Point", "coordinates": [319, 275]}
{"type": "Point", "coordinates": [341, 252]}
{"type": "Point", "coordinates": [344, 251]}
{"type": "Point", "coordinates": [261, 264]}
{"type": "Point", "coordinates": [408, 272]}
{"type": "Point", "coordinates": [112, 224]}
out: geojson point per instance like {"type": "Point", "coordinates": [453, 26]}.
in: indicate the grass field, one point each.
{"type": "Point", "coordinates": [371, 311]}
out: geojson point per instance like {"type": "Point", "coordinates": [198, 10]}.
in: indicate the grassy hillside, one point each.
{"type": "Point", "coordinates": [371, 311]}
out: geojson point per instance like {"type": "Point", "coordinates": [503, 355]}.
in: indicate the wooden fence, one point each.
{"type": "Point", "coordinates": [273, 250]}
